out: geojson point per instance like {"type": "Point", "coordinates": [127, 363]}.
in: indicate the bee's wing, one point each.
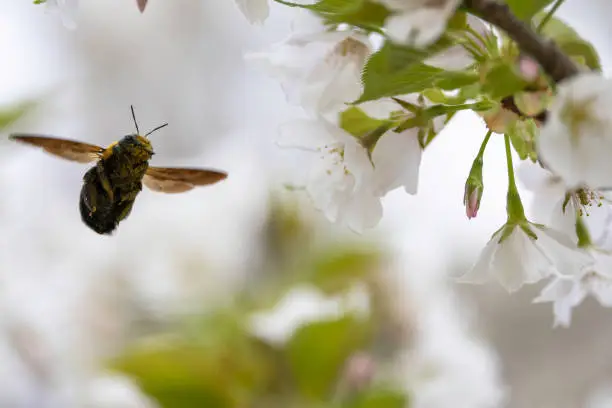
{"type": "Point", "coordinates": [66, 149]}
{"type": "Point", "coordinates": [178, 180]}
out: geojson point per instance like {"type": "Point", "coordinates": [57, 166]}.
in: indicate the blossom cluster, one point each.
{"type": "Point", "coordinates": [378, 80]}
{"type": "Point", "coordinates": [367, 141]}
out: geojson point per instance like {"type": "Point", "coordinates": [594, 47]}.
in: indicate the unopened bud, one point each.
{"type": "Point", "coordinates": [471, 200]}
{"type": "Point", "coordinates": [529, 69]}
{"type": "Point", "coordinates": [499, 119]}
{"type": "Point", "coordinates": [473, 189]}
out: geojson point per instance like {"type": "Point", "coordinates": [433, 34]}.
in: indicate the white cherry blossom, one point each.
{"type": "Point", "coordinates": [567, 293]}
{"type": "Point", "coordinates": [555, 206]}
{"type": "Point", "coordinates": [524, 259]}
{"type": "Point", "coordinates": [397, 160]}
{"type": "Point", "coordinates": [576, 140]}
{"type": "Point", "coordinates": [418, 22]}
{"type": "Point", "coordinates": [340, 181]}
{"type": "Point", "coordinates": [318, 69]}
{"type": "Point", "coordinates": [346, 183]}
{"type": "Point", "coordinates": [397, 156]}
{"type": "Point", "coordinates": [305, 304]}
{"type": "Point", "coordinates": [66, 10]}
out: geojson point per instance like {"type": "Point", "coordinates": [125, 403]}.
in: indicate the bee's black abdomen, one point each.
{"type": "Point", "coordinates": [93, 195]}
{"type": "Point", "coordinates": [100, 221]}
{"type": "Point", "coordinates": [98, 211]}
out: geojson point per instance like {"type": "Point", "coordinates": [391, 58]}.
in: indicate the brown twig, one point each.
{"type": "Point", "coordinates": [554, 62]}
{"type": "Point", "coordinates": [509, 104]}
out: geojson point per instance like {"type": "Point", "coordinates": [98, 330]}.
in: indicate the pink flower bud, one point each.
{"type": "Point", "coordinates": [472, 204]}
{"type": "Point", "coordinates": [472, 196]}
{"type": "Point", "coordinates": [528, 68]}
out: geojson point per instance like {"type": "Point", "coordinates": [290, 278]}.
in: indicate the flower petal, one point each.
{"type": "Point", "coordinates": [364, 211]}
{"type": "Point", "coordinates": [576, 141]}
{"type": "Point", "coordinates": [397, 160]}
{"type": "Point", "coordinates": [562, 252]}
{"type": "Point", "coordinates": [481, 271]}
{"type": "Point", "coordinates": [518, 262]}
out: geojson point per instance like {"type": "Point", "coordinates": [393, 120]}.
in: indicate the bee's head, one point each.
{"type": "Point", "coordinates": [138, 145]}
{"type": "Point", "coordinates": [141, 142]}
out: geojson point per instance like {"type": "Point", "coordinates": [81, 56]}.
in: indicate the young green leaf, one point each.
{"type": "Point", "coordinates": [525, 9]}
{"type": "Point", "coordinates": [381, 398]}
{"type": "Point", "coordinates": [317, 352]}
{"type": "Point", "coordinates": [366, 14]}
{"type": "Point", "coordinates": [569, 41]}
{"type": "Point", "coordinates": [358, 123]}
{"type": "Point", "coordinates": [370, 16]}
{"type": "Point", "coordinates": [501, 80]}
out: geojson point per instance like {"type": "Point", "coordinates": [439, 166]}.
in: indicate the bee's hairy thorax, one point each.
{"type": "Point", "coordinates": [126, 163]}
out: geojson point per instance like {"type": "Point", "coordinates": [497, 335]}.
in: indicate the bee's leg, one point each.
{"type": "Point", "coordinates": [125, 209]}
{"type": "Point", "coordinates": [131, 193]}
{"type": "Point", "coordinates": [90, 197]}
{"type": "Point", "coordinates": [105, 182]}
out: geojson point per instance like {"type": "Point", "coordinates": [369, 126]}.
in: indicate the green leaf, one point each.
{"type": "Point", "coordinates": [370, 16]}
{"type": "Point", "coordinates": [570, 41]}
{"type": "Point", "coordinates": [397, 69]}
{"type": "Point", "coordinates": [525, 9]}
{"type": "Point", "coordinates": [501, 80]}
{"type": "Point", "coordinates": [451, 80]}
{"type": "Point", "coordinates": [176, 377]}
{"type": "Point", "coordinates": [317, 352]}
{"type": "Point", "coordinates": [213, 364]}
{"type": "Point", "coordinates": [366, 14]}
{"type": "Point", "coordinates": [358, 123]}
{"type": "Point", "coordinates": [336, 268]}
{"type": "Point", "coordinates": [415, 78]}
{"type": "Point", "coordinates": [380, 398]}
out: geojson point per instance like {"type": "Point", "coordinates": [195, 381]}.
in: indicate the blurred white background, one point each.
{"type": "Point", "coordinates": [68, 297]}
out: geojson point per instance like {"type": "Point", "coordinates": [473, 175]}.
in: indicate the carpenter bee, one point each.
{"type": "Point", "coordinates": [112, 185]}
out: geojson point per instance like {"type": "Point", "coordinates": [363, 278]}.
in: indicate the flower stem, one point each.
{"type": "Point", "coordinates": [549, 15]}
{"type": "Point", "coordinates": [514, 206]}
{"type": "Point", "coordinates": [484, 144]}
{"type": "Point", "coordinates": [476, 171]}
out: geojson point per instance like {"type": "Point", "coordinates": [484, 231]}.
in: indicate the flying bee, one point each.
{"type": "Point", "coordinates": [112, 185]}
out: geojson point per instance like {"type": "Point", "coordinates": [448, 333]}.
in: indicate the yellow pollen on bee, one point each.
{"type": "Point", "coordinates": [109, 150]}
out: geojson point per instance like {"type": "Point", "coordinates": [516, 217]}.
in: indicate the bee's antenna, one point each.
{"type": "Point", "coordinates": [157, 128]}
{"type": "Point", "coordinates": [134, 116]}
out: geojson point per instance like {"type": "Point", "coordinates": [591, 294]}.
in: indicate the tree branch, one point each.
{"type": "Point", "coordinates": [552, 60]}
{"type": "Point", "coordinates": [509, 104]}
